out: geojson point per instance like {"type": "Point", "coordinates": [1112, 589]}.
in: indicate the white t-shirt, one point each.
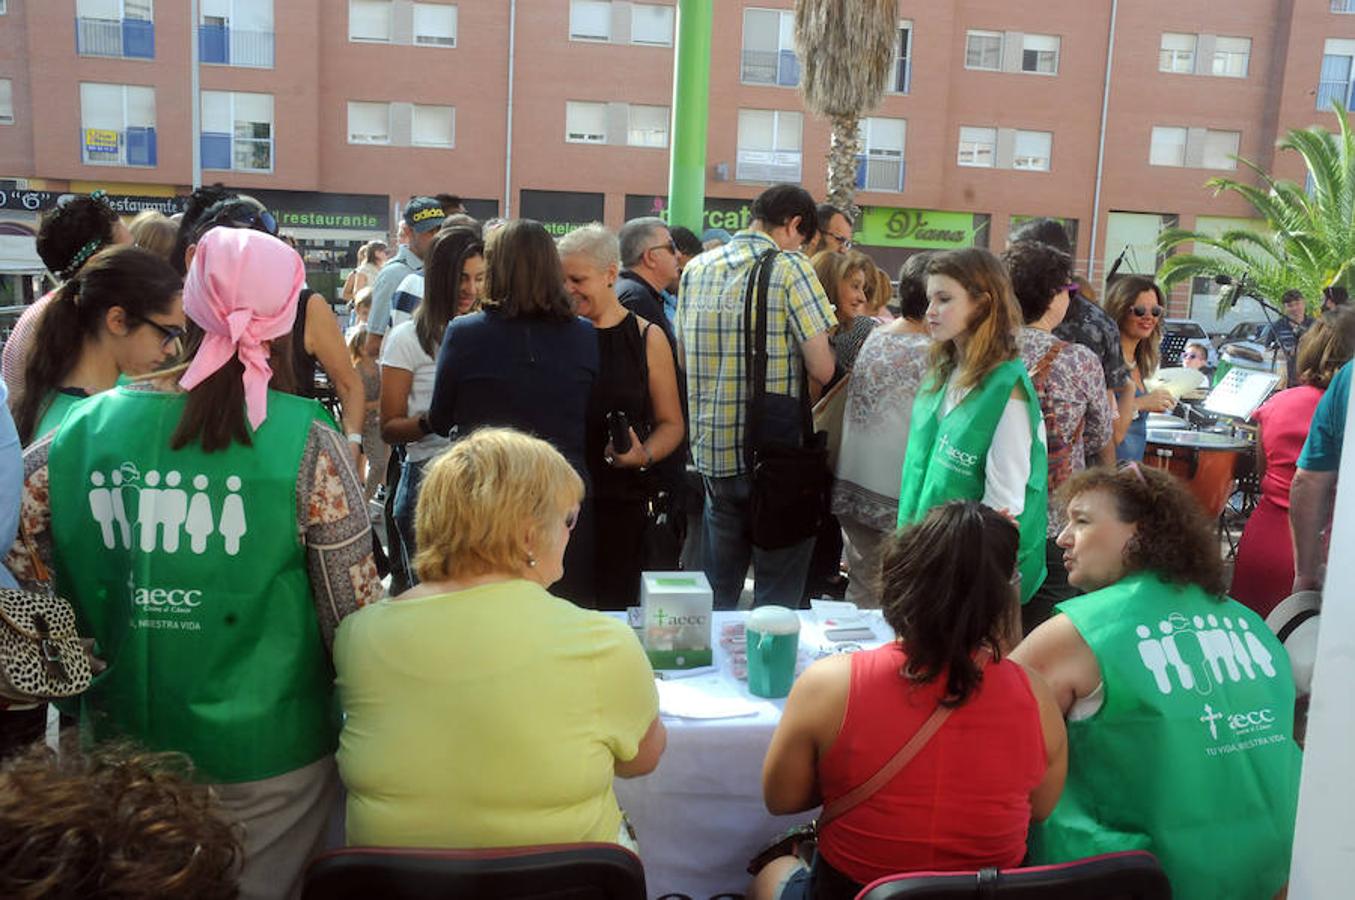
{"type": "Point", "coordinates": [401, 350]}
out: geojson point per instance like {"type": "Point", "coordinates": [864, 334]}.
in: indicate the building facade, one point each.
{"type": "Point", "coordinates": [335, 111]}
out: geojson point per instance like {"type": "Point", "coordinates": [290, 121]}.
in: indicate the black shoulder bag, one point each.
{"type": "Point", "coordinates": [787, 460]}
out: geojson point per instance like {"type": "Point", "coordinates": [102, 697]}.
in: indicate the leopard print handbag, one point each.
{"type": "Point", "coordinates": [41, 655]}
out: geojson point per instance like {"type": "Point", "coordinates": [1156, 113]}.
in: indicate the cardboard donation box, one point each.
{"type": "Point", "coordinates": [676, 611]}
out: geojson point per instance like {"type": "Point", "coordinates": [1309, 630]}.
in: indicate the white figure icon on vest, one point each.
{"type": "Point", "coordinates": [165, 511]}
{"type": "Point", "coordinates": [1197, 658]}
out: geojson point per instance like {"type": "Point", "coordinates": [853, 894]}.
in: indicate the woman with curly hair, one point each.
{"type": "Point", "coordinates": [1264, 573]}
{"type": "Point", "coordinates": [1179, 700]}
{"type": "Point", "coordinates": [114, 823]}
{"type": "Point", "coordinates": [977, 432]}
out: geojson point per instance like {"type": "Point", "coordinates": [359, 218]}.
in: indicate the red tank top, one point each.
{"type": "Point", "coordinates": [962, 803]}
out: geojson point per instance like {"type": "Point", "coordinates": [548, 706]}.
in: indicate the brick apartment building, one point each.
{"type": "Point", "coordinates": [335, 111]}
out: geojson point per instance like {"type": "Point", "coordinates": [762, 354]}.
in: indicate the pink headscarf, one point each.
{"type": "Point", "coordinates": [242, 290]}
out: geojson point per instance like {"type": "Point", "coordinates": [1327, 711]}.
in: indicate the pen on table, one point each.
{"type": "Point", "coordinates": [670, 674]}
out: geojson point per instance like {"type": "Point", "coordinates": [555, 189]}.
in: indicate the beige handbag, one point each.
{"type": "Point", "coordinates": [41, 654]}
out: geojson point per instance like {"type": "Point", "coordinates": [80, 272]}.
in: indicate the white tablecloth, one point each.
{"type": "Point", "coordinates": [700, 816]}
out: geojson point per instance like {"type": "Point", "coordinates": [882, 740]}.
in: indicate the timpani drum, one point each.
{"type": "Point", "coordinates": [1206, 461]}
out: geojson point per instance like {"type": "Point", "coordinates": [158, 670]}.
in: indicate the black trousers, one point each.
{"type": "Point", "coordinates": [619, 552]}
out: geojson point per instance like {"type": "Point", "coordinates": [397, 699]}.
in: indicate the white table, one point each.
{"type": "Point", "coordinates": [700, 815]}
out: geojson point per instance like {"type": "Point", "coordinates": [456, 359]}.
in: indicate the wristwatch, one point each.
{"type": "Point", "coordinates": [426, 428]}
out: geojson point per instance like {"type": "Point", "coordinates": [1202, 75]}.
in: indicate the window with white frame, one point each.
{"type": "Point", "coordinates": [585, 123]}
{"type": "Point", "coordinates": [123, 28]}
{"type": "Point", "coordinates": [6, 100]}
{"type": "Point", "coordinates": [369, 123]}
{"type": "Point", "coordinates": [1032, 150]}
{"type": "Point", "coordinates": [978, 147]}
{"type": "Point", "coordinates": [4, 7]}
{"type": "Point", "coordinates": [1177, 53]}
{"type": "Point", "coordinates": [1220, 149]}
{"type": "Point", "coordinates": [369, 20]}
{"type": "Point", "coordinates": [433, 126]}
{"type": "Point", "coordinates": [117, 123]}
{"type": "Point", "coordinates": [435, 24]}
{"type": "Point", "coordinates": [1168, 147]}
{"type": "Point", "coordinates": [243, 124]}
{"type": "Point", "coordinates": [983, 50]}
{"type": "Point", "coordinates": [1337, 6]}
{"type": "Point", "coordinates": [140, 10]}
{"type": "Point", "coordinates": [652, 24]}
{"type": "Point", "coordinates": [1231, 56]}
{"type": "Point", "coordinates": [880, 165]}
{"type": "Point", "coordinates": [900, 77]}
{"type": "Point", "coordinates": [1338, 67]}
{"type": "Point", "coordinates": [648, 126]}
{"type": "Point", "coordinates": [769, 48]}
{"type": "Point", "coordinates": [1040, 53]}
{"type": "Point", "coordinates": [590, 20]}
{"type": "Point", "coordinates": [236, 33]}
{"type": "Point", "coordinates": [769, 145]}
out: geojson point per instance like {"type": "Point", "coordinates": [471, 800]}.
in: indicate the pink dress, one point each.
{"type": "Point", "coordinates": [1264, 573]}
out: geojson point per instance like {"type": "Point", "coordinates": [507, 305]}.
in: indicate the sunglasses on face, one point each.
{"type": "Point", "coordinates": [171, 335]}
{"type": "Point", "coordinates": [1141, 311]}
{"type": "Point", "coordinates": [1072, 288]}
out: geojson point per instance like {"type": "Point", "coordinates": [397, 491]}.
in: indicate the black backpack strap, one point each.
{"type": "Point", "coordinates": [755, 347]}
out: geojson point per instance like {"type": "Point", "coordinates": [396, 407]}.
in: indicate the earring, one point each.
{"type": "Point", "coordinates": [531, 560]}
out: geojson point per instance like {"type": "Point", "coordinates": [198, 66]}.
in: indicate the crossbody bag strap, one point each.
{"type": "Point", "coordinates": [864, 791]}
{"type": "Point", "coordinates": [755, 347]}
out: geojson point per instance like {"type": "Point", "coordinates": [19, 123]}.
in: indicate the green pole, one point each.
{"type": "Point", "coordinates": [691, 109]}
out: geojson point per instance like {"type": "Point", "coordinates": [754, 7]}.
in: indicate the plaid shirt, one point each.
{"type": "Point", "coordinates": [710, 326]}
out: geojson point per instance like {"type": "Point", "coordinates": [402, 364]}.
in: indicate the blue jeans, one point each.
{"type": "Point", "coordinates": [406, 499]}
{"type": "Point", "coordinates": [778, 575]}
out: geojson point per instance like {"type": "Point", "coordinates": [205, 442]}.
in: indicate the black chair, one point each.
{"type": "Point", "coordinates": [544, 872]}
{"type": "Point", "coordinates": [1134, 875]}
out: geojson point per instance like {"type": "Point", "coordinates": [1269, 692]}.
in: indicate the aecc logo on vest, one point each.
{"type": "Point", "coordinates": [952, 457]}
{"type": "Point", "coordinates": [170, 512]}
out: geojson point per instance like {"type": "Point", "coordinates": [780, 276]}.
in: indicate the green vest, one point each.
{"type": "Point", "coordinates": [1192, 755]}
{"type": "Point", "coordinates": [947, 456]}
{"type": "Point", "coordinates": [60, 404]}
{"type": "Point", "coordinates": [188, 569]}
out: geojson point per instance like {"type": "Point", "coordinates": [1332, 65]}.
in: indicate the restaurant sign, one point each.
{"type": "Point", "coordinates": [883, 226]}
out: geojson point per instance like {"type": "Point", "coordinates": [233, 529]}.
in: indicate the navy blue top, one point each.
{"type": "Point", "coordinates": [531, 374]}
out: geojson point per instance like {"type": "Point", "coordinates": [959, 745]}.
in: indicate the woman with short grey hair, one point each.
{"type": "Point", "coordinates": [634, 416]}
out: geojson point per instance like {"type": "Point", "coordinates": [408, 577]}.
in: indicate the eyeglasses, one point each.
{"type": "Point", "coordinates": [172, 340]}
{"type": "Point", "coordinates": [846, 243]}
{"type": "Point", "coordinates": [671, 247]}
{"type": "Point", "coordinates": [1142, 311]}
{"type": "Point", "coordinates": [239, 215]}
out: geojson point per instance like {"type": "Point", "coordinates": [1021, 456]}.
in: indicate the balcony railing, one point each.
{"type": "Point", "coordinates": [879, 173]}
{"type": "Point", "coordinates": [768, 165]}
{"type": "Point", "coordinates": [222, 151]}
{"type": "Point", "coordinates": [131, 38]}
{"type": "Point", "coordinates": [226, 46]}
{"type": "Point", "coordinates": [770, 67]}
{"type": "Point", "coordinates": [131, 147]}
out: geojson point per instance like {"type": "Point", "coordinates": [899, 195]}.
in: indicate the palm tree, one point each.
{"type": "Point", "coordinates": [846, 48]}
{"type": "Point", "coordinates": [1309, 241]}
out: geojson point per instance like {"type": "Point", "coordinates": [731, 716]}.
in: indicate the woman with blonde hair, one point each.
{"type": "Point", "coordinates": [845, 277]}
{"type": "Point", "coordinates": [154, 231]}
{"type": "Point", "coordinates": [878, 294]}
{"type": "Point", "coordinates": [977, 432]}
{"type": "Point", "coordinates": [1136, 305]}
{"type": "Point", "coordinates": [550, 701]}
